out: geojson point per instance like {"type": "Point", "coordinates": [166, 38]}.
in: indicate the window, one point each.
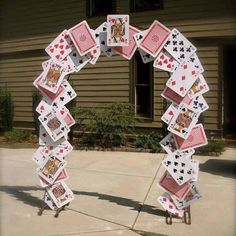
{"type": "Point", "coordinates": [142, 87]}
{"type": "Point", "coordinates": [100, 7]}
{"type": "Point", "coordinates": [145, 5]}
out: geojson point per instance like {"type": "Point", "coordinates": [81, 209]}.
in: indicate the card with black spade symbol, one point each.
{"type": "Point", "coordinates": [54, 125]}
{"type": "Point", "coordinates": [108, 51]}
{"type": "Point", "coordinates": [178, 167]}
{"type": "Point", "coordinates": [48, 200]}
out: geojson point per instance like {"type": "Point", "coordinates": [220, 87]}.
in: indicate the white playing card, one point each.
{"type": "Point", "coordinates": [179, 47]}
{"type": "Point", "coordinates": [168, 143]}
{"type": "Point", "coordinates": [117, 30]}
{"type": "Point", "coordinates": [183, 121]}
{"type": "Point", "coordinates": [60, 47]}
{"type": "Point", "coordinates": [60, 194]}
{"type": "Point", "coordinates": [168, 204]}
{"type": "Point", "coordinates": [48, 200]}
{"type": "Point", "coordinates": [198, 104]}
{"type": "Point", "coordinates": [199, 87]}
{"type": "Point", "coordinates": [51, 168]}
{"type": "Point", "coordinates": [165, 61]}
{"type": "Point", "coordinates": [169, 113]}
{"type": "Point", "coordinates": [38, 156]}
{"type": "Point", "coordinates": [43, 107]}
{"type": "Point", "coordinates": [195, 166]}
{"type": "Point", "coordinates": [178, 167]}
{"type": "Point", "coordinates": [64, 113]}
{"type": "Point", "coordinates": [192, 196]}
{"type": "Point", "coordinates": [108, 51]}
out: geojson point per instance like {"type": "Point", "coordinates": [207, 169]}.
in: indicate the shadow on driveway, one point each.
{"type": "Point", "coordinates": [225, 168]}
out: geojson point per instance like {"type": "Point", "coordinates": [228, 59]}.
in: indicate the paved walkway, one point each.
{"type": "Point", "coordinates": [115, 194]}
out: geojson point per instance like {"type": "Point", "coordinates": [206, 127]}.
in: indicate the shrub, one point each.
{"type": "Point", "coordinates": [109, 125]}
{"type": "Point", "coordinates": [216, 146]}
{"type": "Point", "coordinates": [149, 141]}
{"type": "Point", "coordinates": [6, 110]}
{"type": "Point", "coordinates": [18, 136]}
{"type": "Point", "coordinates": [36, 98]}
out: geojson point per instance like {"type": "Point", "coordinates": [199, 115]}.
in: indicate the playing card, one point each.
{"type": "Point", "coordinates": [68, 94]}
{"type": "Point", "coordinates": [51, 168]}
{"type": "Point", "coordinates": [61, 150]}
{"type": "Point", "coordinates": [54, 125]}
{"type": "Point", "coordinates": [154, 39]}
{"type": "Point", "coordinates": [199, 87]}
{"type": "Point", "coordinates": [52, 77]}
{"type": "Point", "coordinates": [48, 200]}
{"type": "Point", "coordinates": [169, 184]}
{"type": "Point", "coordinates": [182, 122]}
{"type": "Point", "coordinates": [128, 51]}
{"type": "Point", "coordinates": [169, 113]}
{"type": "Point", "coordinates": [183, 78]}
{"type": "Point", "coordinates": [43, 107]}
{"type": "Point", "coordinates": [60, 47]}
{"type": "Point", "coordinates": [197, 138]}
{"type": "Point", "coordinates": [192, 196]}
{"type": "Point", "coordinates": [178, 167]}
{"type": "Point", "coordinates": [195, 166]}
{"type": "Point", "coordinates": [173, 97]}
{"type": "Point", "coordinates": [64, 113]}
{"type": "Point", "coordinates": [60, 194]}
{"type": "Point", "coordinates": [165, 61]}
{"type": "Point", "coordinates": [198, 104]}
{"type": "Point", "coordinates": [108, 51]}
{"type": "Point", "coordinates": [83, 38]}
{"type": "Point", "coordinates": [168, 143]}
{"type": "Point", "coordinates": [179, 47]}
{"type": "Point", "coordinates": [94, 54]}
{"type": "Point", "coordinates": [168, 204]}
{"type": "Point", "coordinates": [118, 30]}
{"type": "Point", "coordinates": [62, 176]}
{"type": "Point", "coordinates": [38, 156]}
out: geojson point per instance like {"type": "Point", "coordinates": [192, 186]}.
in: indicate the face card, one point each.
{"type": "Point", "coordinates": [155, 38]}
{"type": "Point", "coordinates": [62, 176]}
{"type": "Point", "coordinates": [192, 196]}
{"type": "Point", "coordinates": [168, 143]}
{"type": "Point", "coordinates": [179, 167]}
{"type": "Point", "coordinates": [48, 200]}
{"type": "Point", "coordinates": [197, 138]}
{"type": "Point", "coordinates": [83, 38]}
{"type": "Point", "coordinates": [183, 121]}
{"type": "Point", "coordinates": [165, 61]}
{"type": "Point", "coordinates": [38, 157]}
{"type": "Point", "coordinates": [54, 125]}
{"type": "Point", "coordinates": [52, 77]}
{"type": "Point", "coordinates": [60, 47]}
{"type": "Point", "coordinates": [60, 194]}
{"type": "Point", "coordinates": [169, 184]}
{"type": "Point", "coordinates": [198, 104]}
{"type": "Point", "coordinates": [179, 47]}
{"type": "Point", "coordinates": [173, 97]}
{"type": "Point", "coordinates": [51, 168]}
{"type": "Point", "coordinates": [168, 204]}
{"type": "Point", "coordinates": [118, 30]}
{"type": "Point", "coordinates": [128, 51]}
{"type": "Point", "coordinates": [66, 96]}
{"type": "Point", "coordinates": [199, 87]}
{"type": "Point", "coordinates": [169, 113]}
{"type": "Point", "coordinates": [183, 78]}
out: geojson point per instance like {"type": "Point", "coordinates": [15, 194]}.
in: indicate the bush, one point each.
{"type": "Point", "coordinates": [149, 141]}
{"type": "Point", "coordinates": [108, 125]}
{"type": "Point", "coordinates": [6, 110]}
{"type": "Point", "coordinates": [216, 146]}
{"type": "Point", "coordinates": [18, 136]}
{"type": "Point", "coordinates": [36, 98]}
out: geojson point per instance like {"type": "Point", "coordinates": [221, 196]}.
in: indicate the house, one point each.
{"type": "Point", "coordinates": [27, 27]}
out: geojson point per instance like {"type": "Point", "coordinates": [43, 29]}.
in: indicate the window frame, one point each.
{"type": "Point", "coordinates": [89, 10]}
{"type": "Point", "coordinates": [133, 10]}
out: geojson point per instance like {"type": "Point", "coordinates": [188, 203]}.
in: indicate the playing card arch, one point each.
{"type": "Point", "coordinates": [172, 52]}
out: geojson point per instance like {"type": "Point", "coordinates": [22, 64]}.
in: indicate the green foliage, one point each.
{"type": "Point", "coordinates": [149, 141]}
{"type": "Point", "coordinates": [6, 110]}
{"type": "Point", "coordinates": [18, 136]}
{"type": "Point", "coordinates": [216, 146]}
{"type": "Point", "coordinates": [108, 125]}
{"type": "Point", "coordinates": [36, 98]}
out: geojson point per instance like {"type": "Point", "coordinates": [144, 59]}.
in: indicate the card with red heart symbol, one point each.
{"type": "Point", "coordinates": [60, 47]}
{"type": "Point", "coordinates": [170, 112]}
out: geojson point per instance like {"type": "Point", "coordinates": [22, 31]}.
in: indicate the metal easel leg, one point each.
{"type": "Point", "coordinates": [60, 209]}
{"type": "Point", "coordinates": [168, 218]}
{"type": "Point", "coordinates": [187, 216]}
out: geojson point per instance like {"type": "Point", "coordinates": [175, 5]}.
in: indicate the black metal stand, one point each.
{"type": "Point", "coordinates": [186, 218]}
